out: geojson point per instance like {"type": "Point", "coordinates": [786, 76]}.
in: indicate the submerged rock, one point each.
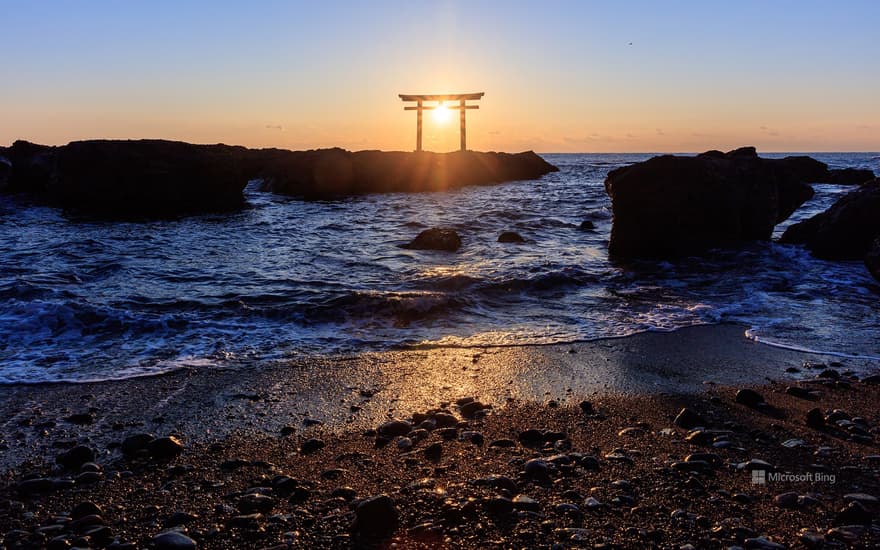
{"type": "Point", "coordinates": [436, 239]}
{"type": "Point", "coordinates": [669, 205]}
{"type": "Point", "coordinates": [846, 231]}
{"type": "Point", "coordinates": [510, 237]}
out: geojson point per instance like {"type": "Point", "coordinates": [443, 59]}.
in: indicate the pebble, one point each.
{"type": "Point", "coordinates": [592, 503]}
{"type": "Point", "coordinates": [761, 543]}
{"type": "Point", "coordinates": [394, 428]}
{"type": "Point", "coordinates": [863, 498]}
{"type": "Point", "coordinates": [433, 452]}
{"type": "Point", "coordinates": [470, 410]}
{"type": "Point", "coordinates": [523, 502]}
{"type": "Point", "coordinates": [179, 518]}
{"type": "Point", "coordinates": [586, 407]}
{"type": "Point", "coordinates": [815, 419]}
{"type": "Point", "coordinates": [165, 448]}
{"type": "Point", "coordinates": [786, 500]}
{"type": "Point", "coordinates": [376, 515]}
{"type": "Point", "coordinates": [132, 444]}
{"type": "Point", "coordinates": [537, 469]}
{"type": "Point", "coordinates": [801, 393]}
{"type": "Point", "coordinates": [310, 446]}
{"type": "Point", "coordinates": [472, 437]}
{"type": "Point", "coordinates": [172, 540]}
{"type": "Point", "coordinates": [76, 457]}
{"type": "Point", "coordinates": [85, 508]}
{"type": "Point", "coordinates": [749, 398]}
{"type": "Point", "coordinates": [755, 464]}
{"type": "Point", "coordinates": [35, 486]}
{"type": "Point", "coordinates": [498, 506]}
{"type": "Point", "coordinates": [248, 504]}
{"type": "Point", "coordinates": [445, 420]}
{"type": "Point", "coordinates": [854, 513]}
{"type": "Point", "coordinates": [688, 419]}
{"type": "Point", "coordinates": [346, 493]}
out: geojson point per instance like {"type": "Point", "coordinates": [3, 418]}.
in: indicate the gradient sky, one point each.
{"type": "Point", "coordinates": [558, 76]}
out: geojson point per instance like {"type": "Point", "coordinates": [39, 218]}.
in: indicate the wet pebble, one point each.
{"type": "Point", "coordinates": [172, 540]}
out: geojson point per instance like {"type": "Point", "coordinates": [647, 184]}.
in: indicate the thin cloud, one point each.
{"type": "Point", "coordinates": [278, 127]}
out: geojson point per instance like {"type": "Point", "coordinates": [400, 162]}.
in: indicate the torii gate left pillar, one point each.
{"type": "Point", "coordinates": [440, 98]}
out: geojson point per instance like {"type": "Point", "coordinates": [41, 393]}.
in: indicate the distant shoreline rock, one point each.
{"type": "Point", "coordinates": [158, 178]}
{"type": "Point", "coordinates": [672, 205]}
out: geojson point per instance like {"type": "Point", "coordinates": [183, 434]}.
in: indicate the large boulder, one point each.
{"type": "Point", "coordinates": [436, 238]}
{"type": "Point", "coordinates": [329, 172]}
{"type": "Point", "coordinates": [872, 259]}
{"type": "Point", "coordinates": [672, 205]}
{"type": "Point", "coordinates": [846, 230]}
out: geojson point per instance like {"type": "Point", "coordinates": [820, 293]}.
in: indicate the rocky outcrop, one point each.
{"type": "Point", "coordinates": [5, 169]}
{"type": "Point", "coordinates": [168, 178]}
{"type": "Point", "coordinates": [131, 178]}
{"type": "Point", "coordinates": [846, 230]}
{"type": "Point", "coordinates": [850, 176]}
{"type": "Point", "coordinates": [329, 172]}
{"type": "Point", "coordinates": [872, 259]}
{"type": "Point", "coordinates": [670, 205]}
{"type": "Point", "coordinates": [436, 238]}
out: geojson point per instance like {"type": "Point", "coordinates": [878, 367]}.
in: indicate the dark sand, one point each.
{"type": "Point", "coordinates": [641, 381]}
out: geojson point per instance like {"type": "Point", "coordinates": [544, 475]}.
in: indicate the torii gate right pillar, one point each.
{"type": "Point", "coordinates": [461, 125]}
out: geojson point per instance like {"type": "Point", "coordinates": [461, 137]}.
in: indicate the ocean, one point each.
{"type": "Point", "coordinates": [84, 300]}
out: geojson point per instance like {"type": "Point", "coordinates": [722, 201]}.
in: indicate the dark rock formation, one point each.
{"type": "Point", "coordinates": [668, 205]}
{"type": "Point", "coordinates": [872, 259]}
{"type": "Point", "coordinates": [156, 178]}
{"type": "Point", "coordinates": [808, 169]}
{"type": "Point", "coordinates": [436, 239]}
{"type": "Point", "coordinates": [846, 230]}
{"type": "Point", "coordinates": [329, 172]}
{"type": "Point", "coordinates": [510, 237]}
{"type": "Point", "coordinates": [849, 176]}
{"type": "Point", "coordinates": [131, 178]}
{"type": "Point", "coordinates": [5, 168]}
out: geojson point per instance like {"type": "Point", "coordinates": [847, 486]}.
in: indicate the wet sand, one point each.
{"type": "Point", "coordinates": [639, 382]}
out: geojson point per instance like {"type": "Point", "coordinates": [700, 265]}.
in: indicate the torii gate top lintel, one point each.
{"type": "Point", "coordinates": [440, 98]}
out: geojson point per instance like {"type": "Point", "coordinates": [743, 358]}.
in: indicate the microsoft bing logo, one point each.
{"type": "Point", "coordinates": [761, 477]}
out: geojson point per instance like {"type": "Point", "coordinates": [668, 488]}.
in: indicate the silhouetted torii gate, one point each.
{"type": "Point", "coordinates": [440, 98]}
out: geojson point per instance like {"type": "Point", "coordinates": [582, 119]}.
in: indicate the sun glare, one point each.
{"type": "Point", "coordinates": [441, 114]}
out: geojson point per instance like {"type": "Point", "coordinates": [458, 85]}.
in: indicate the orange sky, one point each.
{"type": "Point", "coordinates": [558, 77]}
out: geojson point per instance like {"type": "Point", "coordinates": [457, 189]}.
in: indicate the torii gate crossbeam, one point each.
{"type": "Point", "coordinates": [440, 98]}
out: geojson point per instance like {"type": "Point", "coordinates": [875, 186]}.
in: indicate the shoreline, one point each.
{"type": "Point", "coordinates": [346, 392]}
{"type": "Point", "coordinates": [611, 465]}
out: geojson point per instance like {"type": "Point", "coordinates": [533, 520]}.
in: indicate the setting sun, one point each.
{"type": "Point", "coordinates": [441, 114]}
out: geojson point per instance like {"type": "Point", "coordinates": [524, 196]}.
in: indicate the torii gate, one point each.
{"type": "Point", "coordinates": [440, 98]}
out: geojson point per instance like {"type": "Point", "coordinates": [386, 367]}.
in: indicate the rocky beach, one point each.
{"type": "Point", "coordinates": [655, 440]}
